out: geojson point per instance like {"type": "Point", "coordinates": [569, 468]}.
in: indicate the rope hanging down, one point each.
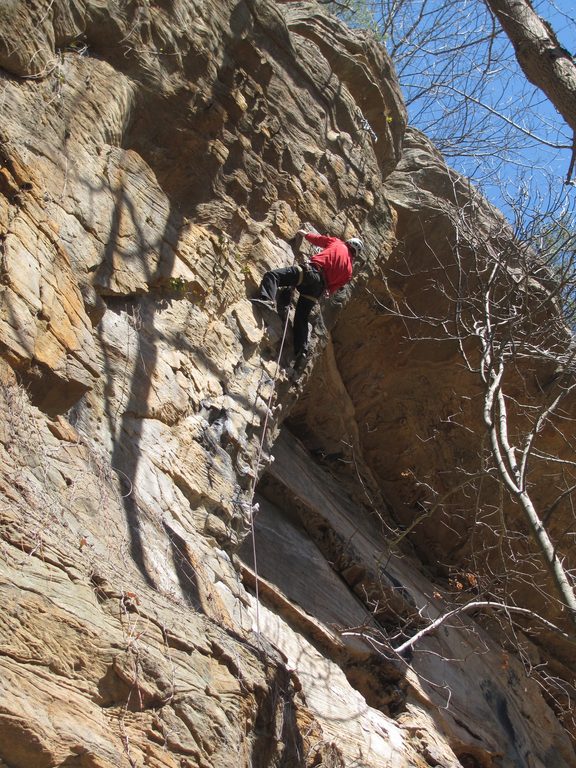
{"type": "Point", "coordinates": [254, 507]}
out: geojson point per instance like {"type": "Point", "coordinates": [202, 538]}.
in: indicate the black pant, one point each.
{"type": "Point", "coordinates": [311, 288]}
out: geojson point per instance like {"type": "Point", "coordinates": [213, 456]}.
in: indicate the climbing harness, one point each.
{"type": "Point", "coordinates": [310, 298]}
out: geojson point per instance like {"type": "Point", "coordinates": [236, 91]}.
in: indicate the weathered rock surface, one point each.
{"type": "Point", "coordinates": [156, 158]}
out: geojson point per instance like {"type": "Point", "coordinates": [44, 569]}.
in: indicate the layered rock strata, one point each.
{"type": "Point", "coordinates": [157, 158]}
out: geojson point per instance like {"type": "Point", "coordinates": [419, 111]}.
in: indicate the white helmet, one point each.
{"type": "Point", "coordinates": [356, 244]}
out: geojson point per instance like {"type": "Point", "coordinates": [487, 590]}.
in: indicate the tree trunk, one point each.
{"type": "Point", "coordinates": [546, 64]}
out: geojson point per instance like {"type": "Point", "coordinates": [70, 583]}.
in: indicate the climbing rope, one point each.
{"type": "Point", "coordinates": [254, 507]}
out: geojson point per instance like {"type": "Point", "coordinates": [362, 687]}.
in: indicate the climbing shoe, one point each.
{"type": "Point", "coordinates": [264, 303]}
{"type": "Point", "coordinates": [301, 360]}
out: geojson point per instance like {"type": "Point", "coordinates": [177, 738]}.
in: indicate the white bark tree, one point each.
{"type": "Point", "coordinates": [501, 346]}
{"type": "Point", "coordinates": [510, 312]}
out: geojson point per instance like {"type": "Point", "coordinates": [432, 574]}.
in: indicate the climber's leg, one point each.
{"type": "Point", "coordinates": [286, 277]}
{"type": "Point", "coordinates": [303, 309]}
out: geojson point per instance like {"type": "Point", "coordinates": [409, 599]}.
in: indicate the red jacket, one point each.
{"type": "Point", "coordinates": [334, 261]}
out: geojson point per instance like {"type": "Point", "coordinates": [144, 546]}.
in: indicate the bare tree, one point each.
{"type": "Point", "coordinates": [505, 337]}
{"type": "Point", "coordinates": [510, 311]}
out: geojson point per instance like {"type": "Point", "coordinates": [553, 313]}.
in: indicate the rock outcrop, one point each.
{"type": "Point", "coordinates": [156, 159]}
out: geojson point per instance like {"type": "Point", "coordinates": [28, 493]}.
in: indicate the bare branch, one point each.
{"type": "Point", "coordinates": [475, 604]}
{"type": "Point", "coordinates": [504, 118]}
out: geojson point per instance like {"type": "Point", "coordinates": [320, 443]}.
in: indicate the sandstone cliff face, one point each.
{"type": "Point", "coordinates": [157, 158]}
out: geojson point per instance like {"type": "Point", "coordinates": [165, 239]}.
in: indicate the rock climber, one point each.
{"type": "Point", "coordinates": [325, 273]}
